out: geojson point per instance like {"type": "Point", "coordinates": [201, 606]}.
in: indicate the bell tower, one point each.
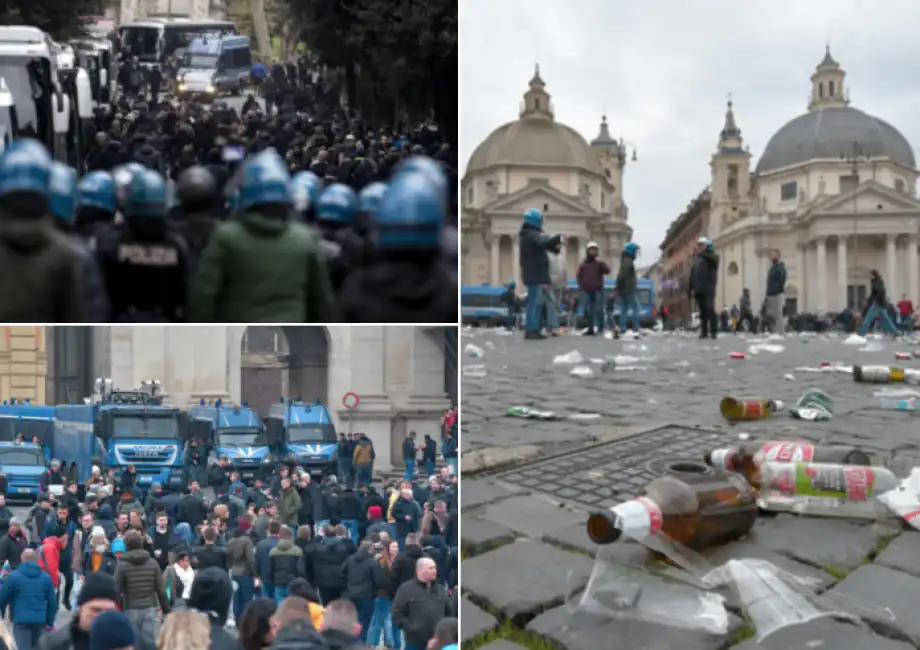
{"type": "Point", "coordinates": [537, 103]}
{"type": "Point", "coordinates": [731, 176]}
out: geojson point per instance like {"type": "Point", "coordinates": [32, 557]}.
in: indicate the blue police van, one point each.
{"type": "Point", "coordinates": [235, 432]}
{"type": "Point", "coordinates": [215, 65]}
{"type": "Point", "coordinates": [483, 305]}
{"type": "Point", "coordinates": [306, 434]}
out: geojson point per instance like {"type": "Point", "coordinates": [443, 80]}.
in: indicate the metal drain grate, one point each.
{"type": "Point", "coordinates": [612, 472]}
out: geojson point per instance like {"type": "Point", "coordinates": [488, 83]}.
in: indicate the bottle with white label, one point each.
{"type": "Point", "coordinates": [695, 507]}
{"type": "Point", "coordinates": [746, 459]}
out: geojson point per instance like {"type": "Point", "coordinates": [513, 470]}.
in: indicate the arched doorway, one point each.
{"type": "Point", "coordinates": [284, 362]}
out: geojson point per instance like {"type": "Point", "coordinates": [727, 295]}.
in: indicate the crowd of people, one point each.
{"type": "Point", "coordinates": [305, 214]}
{"type": "Point", "coordinates": [294, 562]}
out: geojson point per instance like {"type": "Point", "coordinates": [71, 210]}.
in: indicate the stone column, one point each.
{"type": "Point", "coordinates": [913, 268]}
{"type": "Point", "coordinates": [802, 283]}
{"type": "Point", "coordinates": [209, 362]}
{"type": "Point", "coordinates": [495, 261]}
{"type": "Point", "coordinates": [841, 272]}
{"type": "Point", "coordinates": [821, 276]}
{"type": "Point", "coordinates": [516, 259]}
{"type": "Point", "coordinates": [891, 259]}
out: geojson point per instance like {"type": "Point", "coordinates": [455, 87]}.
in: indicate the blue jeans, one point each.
{"type": "Point", "coordinates": [27, 634]}
{"type": "Point", "coordinates": [268, 591]}
{"type": "Point", "coordinates": [410, 470]}
{"type": "Point", "coordinates": [533, 308]}
{"type": "Point", "coordinates": [383, 622]}
{"type": "Point", "coordinates": [552, 296]}
{"type": "Point", "coordinates": [454, 465]}
{"type": "Point", "coordinates": [242, 595]}
{"type": "Point", "coordinates": [365, 474]}
{"type": "Point", "coordinates": [365, 607]}
{"type": "Point", "coordinates": [629, 304]}
{"type": "Point", "coordinates": [875, 311]}
{"type": "Point", "coordinates": [351, 525]}
{"type": "Point", "coordinates": [280, 594]}
{"type": "Point", "coordinates": [594, 309]}
{"type": "Point", "coordinates": [429, 468]}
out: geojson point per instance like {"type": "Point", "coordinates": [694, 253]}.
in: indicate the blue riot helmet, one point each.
{"type": "Point", "coordinates": [631, 248]}
{"type": "Point", "coordinates": [533, 217]}
{"type": "Point", "coordinates": [97, 190]}
{"type": "Point", "coordinates": [337, 204]}
{"type": "Point", "coordinates": [427, 167]}
{"type": "Point", "coordinates": [25, 178]}
{"type": "Point", "coordinates": [123, 176]}
{"type": "Point", "coordinates": [371, 196]}
{"type": "Point", "coordinates": [63, 194]}
{"type": "Point", "coordinates": [265, 180]}
{"type": "Point", "coordinates": [305, 187]}
{"type": "Point", "coordinates": [146, 196]}
{"type": "Point", "coordinates": [512, 284]}
{"type": "Point", "coordinates": [410, 216]}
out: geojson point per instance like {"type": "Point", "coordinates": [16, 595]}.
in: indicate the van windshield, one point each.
{"type": "Point", "coordinates": [28, 81]}
{"type": "Point", "coordinates": [200, 61]}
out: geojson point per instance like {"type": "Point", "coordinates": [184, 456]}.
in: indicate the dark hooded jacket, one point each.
{"type": "Point", "coordinates": [533, 259]}
{"type": "Point", "coordinates": [704, 273]}
{"type": "Point", "coordinates": [139, 581]}
{"type": "Point", "coordinates": [285, 563]}
{"type": "Point", "coordinates": [363, 577]}
{"type": "Point", "coordinates": [627, 283]}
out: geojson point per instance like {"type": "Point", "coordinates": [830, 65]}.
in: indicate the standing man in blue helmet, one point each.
{"type": "Point", "coordinates": [260, 266]}
{"type": "Point", "coordinates": [627, 286]}
{"type": "Point", "coordinates": [535, 272]}
{"type": "Point", "coordinates": [336, 210]}
{"type": "Point", "coordinates": [703, 277]}
{"type": "Point", "coordinates": [43, 282]}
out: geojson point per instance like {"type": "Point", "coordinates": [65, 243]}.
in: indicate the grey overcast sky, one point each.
{"type": "Point", "coordinates": [663, 69]}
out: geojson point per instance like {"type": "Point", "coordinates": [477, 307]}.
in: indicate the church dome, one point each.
{"type": "Point", "coordinates": [535, 139]}
{"type": "Point", "coordinates": [831, 127]}
{"type": "Point", "coordinates": [830, 133]}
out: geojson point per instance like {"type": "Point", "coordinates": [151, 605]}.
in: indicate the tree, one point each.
{"type": "Point", "coordinates": [64, 21]}
{"type": "Point", "coordinates": [399, 56]}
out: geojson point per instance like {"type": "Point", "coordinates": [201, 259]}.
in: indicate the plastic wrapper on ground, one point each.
{"type": "Point", "coordinates": [904, 501]}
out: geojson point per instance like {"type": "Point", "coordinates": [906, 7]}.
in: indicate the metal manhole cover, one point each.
{"type": "Point", "coordinates": [610, 473]}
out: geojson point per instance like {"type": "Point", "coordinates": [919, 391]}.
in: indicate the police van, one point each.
{"type": "Point", "coordinates": [211, 66]}
{"type": "Point", "coordinates": [155, 38]}
{"type": "Point", "coordinates": [36, 101]}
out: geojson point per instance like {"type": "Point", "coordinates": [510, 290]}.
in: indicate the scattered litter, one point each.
{"type": "Point", "coordinates": [490, 345]}
{"type": "Point", "coordinates": [624, 360]}
{"type": "Point", "coordinates": [738, 355]}
{"type": "Point", "coordinates": [744, 436]}
{"type": "Point", "coordinates": [904, 500]}
{"type": "Point", "coordinates": [583, 372]}
{"type": "Point", "coordinates": [503, 332]}
{"type": "Point", "coordinates": [854, 339]}
{"type": "Point", "coordinates": [608, 335]}
{"type": "Point", "coordinates": [476, 371]}
{"type": "Point", "coordinates": [874, 346]}
{"type": "Point", "coordinates": [531, 414]}
{"type": "Point", "coordinates": [772, 348]}
{"type": "Point", "coordinates": [789, 377]}
{"type": "Point", "coordinates": [570, 358]}
{"type": "Point", "coordinates": [473, 351]}
{"type": "Point", "coordinates": [585, 416]}
{"type": "Point", "coordinates": [813, 406]}
{"type": "Point", "coordinates": [629, 335]}
{"type": "Point", "coordinates": [902, 356]}
{"type": "Point", "coordinates": [898, 399]}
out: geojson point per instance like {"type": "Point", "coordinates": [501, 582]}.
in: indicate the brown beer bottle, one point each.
{"type": "Point", "coordinates": [695, 507]}
{"type": "Point", "coordinates": [746, 459]}
{"type": "Point", "coordinates": [735, 409]}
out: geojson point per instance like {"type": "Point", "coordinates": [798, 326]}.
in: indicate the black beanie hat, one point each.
{"type": "Point", "coordinates": [212, 592]}
{"type": "Point", "coordinates": [111, 631]}
{"type": "Point", "coordinates": [98, 586]}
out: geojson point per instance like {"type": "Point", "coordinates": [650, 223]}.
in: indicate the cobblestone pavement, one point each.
{"type": "Point", "coordinates": [528, 487]}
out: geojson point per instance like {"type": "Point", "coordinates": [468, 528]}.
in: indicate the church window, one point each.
{"type": "Point", "coordinates": [607, 173]}
{"type": "Point", "coordinates": [732, 183]}
{"type": "Point", "coordinates": [788, 191]}
{"type": "Point", "coordinates": [469, 195]}
{"type": "Point", "coordinates": [898, 185]}
{"type": "Point", "coordinates": [536, 103]}
{"type": "Point", "coordinates": [821, 89]}
{"type": "Point", "coordinates": [830, 85]}
{"type": "Point", "coordinates": [849, 183]}
{"type": "Point", "coordinates": [603, 200]}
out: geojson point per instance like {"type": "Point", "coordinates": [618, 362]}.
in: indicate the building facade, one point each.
{"type": "Point", "coordinates": [537, 162]}
{"type": "Point", "coordinates": [677, 252]}
{"type": "Point", "coordinates": [834, 192]}
{"type": "Point", "coordinates": [23, 363]}
{"type": "Point", "coordinates": [404, 377]}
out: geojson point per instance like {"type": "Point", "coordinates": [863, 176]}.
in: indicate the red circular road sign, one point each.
{"type": "Point", "coordinates": [350, 400]}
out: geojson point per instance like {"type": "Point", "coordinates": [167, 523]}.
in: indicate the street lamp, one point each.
{"type": "Point", "coordinates": [624, 147]}
{"type": "Point", "coordinates": [856, 156]}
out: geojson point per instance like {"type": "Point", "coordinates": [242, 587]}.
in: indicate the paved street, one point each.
{"type": "Point", "coordinates": [524, 510]}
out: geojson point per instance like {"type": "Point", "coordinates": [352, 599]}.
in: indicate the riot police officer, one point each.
{"type": "Point", "coordinates": [305, 187]}
{"type": "Point", "coordinates": [406, 279]}
{"type": "Point", "coordinates": [146, 271]}
{"type": "Point", "coordinates": [336, 209]}
{"type": "Point", "coordinates": [369, 200]}
{"type": "Point", "coordinates": [62, 205]}
{"type": "Point", "coordinates": [96, 204]}
{"type": "Point", "coordinates": [42, 280]}
{"type": "Point", "coordinates": [260, 266]}
{"type": "Point", "coordinates": [197, 213]}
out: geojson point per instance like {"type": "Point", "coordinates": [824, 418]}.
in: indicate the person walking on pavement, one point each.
{"type": "Point", "coordinates": [408, 449]}
{"type": "Point", "coordinates": [877, 307]}
{"type": "Point", "coordinates": [776, 292]}
{"type": "Point", "coordinates": [535, 272]}
{"type": "Point", "coordinates": [590, 278]}
{"type": "Point", "coordinates": [288, 503]}
{"type": "Point", "coordinates": [553, 293]}
{"type": "Point", "coordinates": [420, 604]}
{"type": "Point", "coordinates": [285, 563]}
{"type": "Point", "coordinates": [241, 555]}
{"type": "Point", "coordinates": [627, 286]}
{"type": "Point", "coordinates": [364, 457]}
{"type": "Point", "coordinates": [30, 595]}
{"type": "Point", "coordinates": [262, 552]}
{"type": "Point", "coordinates": [141, 589]}
{"type": "Point", "coordinates": [97, 596]}
{"type": "Point", "coordinates": [702, 287]}
{"type": "Point", "coordinates": [363, 577]}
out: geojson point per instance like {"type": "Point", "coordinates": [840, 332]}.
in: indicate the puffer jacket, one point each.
{"type": "Point", "coordinates": [31, 596]}
{"type": "Point", "coordinates": [327, 559]}
{"type": "Point", "coordinates": [533, 258]}
{"type": "Point", "coordinates": [241, 555]}
{"type": "Point", "coordinates": [285, 563]}
{"type": "Point", "coordinates": [627, 282]}
{"type": "Point", "coordinates": [139, 582]}
{"type": "Point", "coordinates": [362, 576]}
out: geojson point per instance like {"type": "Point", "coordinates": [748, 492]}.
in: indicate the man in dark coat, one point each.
{"type": "Point", "coordinates": [535, 245]}
{"type": "Point", "coordinates": [703, 277]}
